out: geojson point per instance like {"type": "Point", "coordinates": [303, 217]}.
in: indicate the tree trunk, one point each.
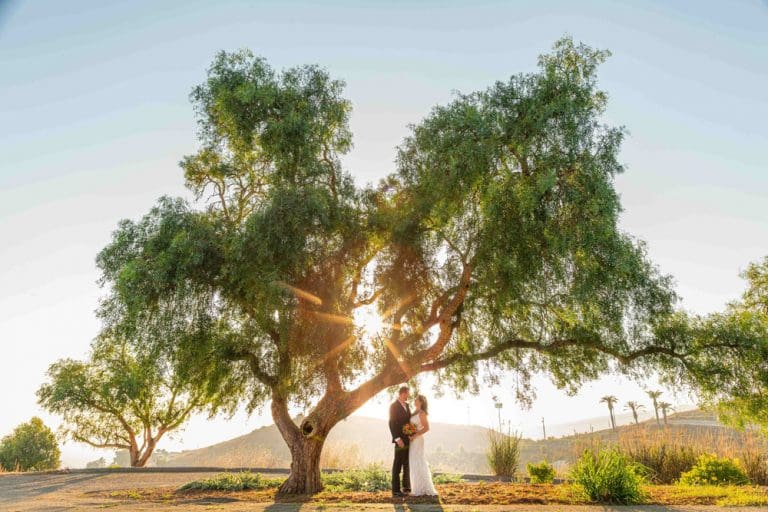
{"type": "Point", "coordinates": [305, 467]}
{"type": "Point", "coordinates": [305, 442]}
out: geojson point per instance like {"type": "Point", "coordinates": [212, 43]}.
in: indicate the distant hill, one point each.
{"type": "Point", "coordinates": [451, 448]}
{"type": "Point", "coordinates": [353, 441]}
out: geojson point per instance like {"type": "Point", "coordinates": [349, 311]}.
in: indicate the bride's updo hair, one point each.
{"type": "Point", "coordinates": [423, 401]}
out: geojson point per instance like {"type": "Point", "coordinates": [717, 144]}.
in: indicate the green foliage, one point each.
{"type": "Point", "coordinates": [741, 399]}
{"type": "Point", "coordinates": [605, 475]}
{"type": "Point", "coordinates": [232, 482]}
{"type": "Point", "coordinates": [31, 446]}
{"type": "Point", "coordinates": [494, 247]}
{"type": "Point", "coordinates": [503, 453]}
{"type": "Point", "coordinates": [541, 473]}
{"type": "Point", "coordinates": [121, 397]}
{"type": "Point", "coordinates": [446, 478]}
{"type": "Point", "coordinates": [710, 469]}
{"type": "Point", "coordinates": [371, 479]}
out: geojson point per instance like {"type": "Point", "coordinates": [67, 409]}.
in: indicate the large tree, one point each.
{"type": "Point", "coordinates": [121, 397]}
{"type": "Point", "coordinates": [493, 247]}
{"type": "Point", "coordinates": [742, 398]}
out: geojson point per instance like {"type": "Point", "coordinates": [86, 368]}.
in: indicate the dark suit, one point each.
{"type": "Point", "coordinates": [400, 416]}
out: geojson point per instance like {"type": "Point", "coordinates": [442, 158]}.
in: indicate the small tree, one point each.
{"type": "Point", "coordinates": [119, 398]}
{"type": "Point", "coordinates": [610, 401]}
{"type": "Point", "coordinates": [31, 446]}
{"type": "Point", "coordinates": [654, 396]}
{"type": "Point", "coordinates": [635, 407]}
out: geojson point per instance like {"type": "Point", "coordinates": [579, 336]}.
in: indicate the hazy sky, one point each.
{"type": "Point", "coordinates": [94, 116]}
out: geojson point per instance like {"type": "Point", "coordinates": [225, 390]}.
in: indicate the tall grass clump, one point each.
{"type": "Point", "coordinates": [370, 479]}
{"type": "Point", "coordinates": [605, 475]}
{"type": "Point", "coordinates": [503, 453]}
{"type": "Point", "coordinates": [232, 482]}
{"type": "Point", "coordinates": [713, 470]}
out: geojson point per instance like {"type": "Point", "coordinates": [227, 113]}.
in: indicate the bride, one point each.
{"type": "Point", "coordinates": [421, 476]}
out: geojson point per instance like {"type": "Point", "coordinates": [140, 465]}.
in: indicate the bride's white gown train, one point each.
{"type": "Point", "coordinates": [421, 476]}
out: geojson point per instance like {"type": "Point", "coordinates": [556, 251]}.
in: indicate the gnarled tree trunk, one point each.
{"type": "Point", "coordinates": [305, 442]}
{"type": "Point", "coordinates": [305, 477]}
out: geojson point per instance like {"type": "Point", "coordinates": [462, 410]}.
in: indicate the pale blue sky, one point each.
{"type": "Point", "coordinates": [94, 117]}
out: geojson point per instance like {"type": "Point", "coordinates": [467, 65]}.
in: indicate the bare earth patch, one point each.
{"type": "Point", "coordinates": [140, 492]}
{"type": "Point", "coordinates": [462, 494]}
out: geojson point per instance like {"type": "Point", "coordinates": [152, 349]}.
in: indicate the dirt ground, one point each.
{"type": "Point", "coordinates": [96, 491]}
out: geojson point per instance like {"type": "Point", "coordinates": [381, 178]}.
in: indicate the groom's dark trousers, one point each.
{"type": "Point", "coordinates": [399, 416]}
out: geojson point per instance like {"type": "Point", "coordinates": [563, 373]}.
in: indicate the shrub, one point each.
{"type": "Point", "coordinates": [503, 453]}
{"type": "Point", "coordinates": [446, 478]}
{"type": "Point", "coordinates": [30, 447]}
{"type": "Point", "coordinates": [605, 475]}
{"type": "Point", "coordinates": [713, 470]}
{"type": "Point", "coordinates": [232, 482]}
{"type": "Point", "coordinates": [371, 479]}
{"type": "Point", "coordinates": [541, 473]}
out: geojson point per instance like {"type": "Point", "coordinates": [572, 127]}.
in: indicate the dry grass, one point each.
{"type": "Point", "coordinates": [668, 453]}
{"type": "Point", "coordinates": [468, 494]}
{"type": "Point", "coordinates": [340, 455]}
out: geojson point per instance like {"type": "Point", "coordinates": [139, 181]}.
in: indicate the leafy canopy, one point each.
{"type": "Point", "coordinates": [493, 246]}
{"type": "Point", "coordinates": [31, 446]}
{"type": "Point", "coordinates": [119, 398]}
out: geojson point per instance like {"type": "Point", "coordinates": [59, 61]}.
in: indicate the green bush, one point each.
{"type": "Point", "coordinates": [371, 479]}
{"type": "Point", "coordinates": [713, 470]}
{"type": "Point", "coordinates": [30, 447]}
{"type": "Point", "coordinates": [541, 473]}
{"type": "Point", "coordinates": [503, 453]}
{"type": "Point", "coordinates": [605, 475]}
{"type": "Point", "coordinates": [446, 478]}
{"type": "Point", "coordinates": [232, 482]}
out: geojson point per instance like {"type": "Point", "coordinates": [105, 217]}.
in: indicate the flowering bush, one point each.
{"type": "Point", "coordinates": [713, 470]}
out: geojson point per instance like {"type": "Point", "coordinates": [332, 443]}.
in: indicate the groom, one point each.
{"type": "Point", "coordinates": [399, 416]}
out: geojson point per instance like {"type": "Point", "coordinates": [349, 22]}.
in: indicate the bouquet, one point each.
{"type": "Point", "coordinates": [409, 429]}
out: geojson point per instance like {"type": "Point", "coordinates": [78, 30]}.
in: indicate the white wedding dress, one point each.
{"type": "Point", "coordinates": [421, 475]}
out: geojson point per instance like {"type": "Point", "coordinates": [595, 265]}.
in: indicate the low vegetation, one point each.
{"type": "Point", "coordinates": [371, 479]}
{"type": "Point", "coordinates": [503, 453]}
{"type": "Point", "coordinates": [541, 473]}
{"type": "Point", "coordinates": [464, 493]}
{"type": "Point", "coordinates": [713, 470]}
{"type": "Point", "coordinates": [606, 475]}
{"type": "Point", "coordinates": [667, 453]}
{"type": "Point", "coordinates": [233, 482]}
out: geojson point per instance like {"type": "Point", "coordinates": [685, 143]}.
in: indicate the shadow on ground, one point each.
{"type": "Point", "coordinates": [12, 488]}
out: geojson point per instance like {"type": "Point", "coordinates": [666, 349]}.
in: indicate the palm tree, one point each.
{"type": "Point", "coordinates": [610, 400]}
{"type": "Point", "coordinates": [654, 395]}
{"type": "Point", "coordinates": [634, 407]}
{"type": "Point", "coordinates": [665, 406]}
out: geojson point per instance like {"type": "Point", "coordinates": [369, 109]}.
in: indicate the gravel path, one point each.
{"type": "Point", "coordinates": [84, 491]}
